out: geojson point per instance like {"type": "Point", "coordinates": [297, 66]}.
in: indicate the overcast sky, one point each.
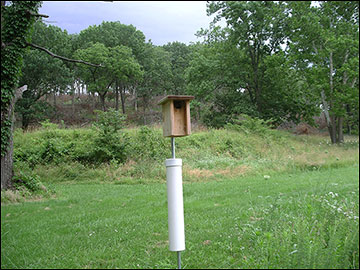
{"type": "Point", "coordinates": [160, 21]}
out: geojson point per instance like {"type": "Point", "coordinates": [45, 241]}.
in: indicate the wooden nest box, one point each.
{"type": "Point", "coordinates": [176, 115]}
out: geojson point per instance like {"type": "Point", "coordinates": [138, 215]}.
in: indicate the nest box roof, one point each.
{"type": "Point", "coordinates": [168, 98]}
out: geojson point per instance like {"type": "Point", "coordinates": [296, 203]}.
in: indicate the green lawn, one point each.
{"type": "Point", "coordinates": [301, 220]}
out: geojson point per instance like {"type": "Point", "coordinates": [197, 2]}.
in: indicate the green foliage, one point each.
{"type": "Point", "coordinates": [119, 66]}
{"type": "Point", "coordinates": [102, 144]}
{"type": "Point", "coordinates": [255, 30]}
{"type": "Point", "coordinates": [328, 59]}
{"type": "Point", "coordinates": [123, 65]}
{"type": "Point", "coordinates": [51, 145]}
{"type": "Point", "coordinates": [227, 107]}
{"type": "Point", "coordinates": [286, 93]}
{"type": "Point", "coordinates": [109, 143]}
{"type": "Point", "coordinates": [27, 184]}
{"type": "Point", "coordinates": [5, 134]}
{"type": "Point", "coordinates": [33, 111]}
{"type": "Point", "coordinates": [251, 125]}
{"type": "Point", "coordinates": [15, 29]}
{"type": "Point", "coordinates": [157, 73]}
{"type": "Point", "coordinates": [108, 148]}
{"type": "Point", "coordinates": [148, 144]}
{"type": "Point", "coordinates": [218, 76]}
{"type": "Point", "coordinates": [272, 61]}
{"type": "Point", "coordinates": [180, 55]}
{"type": "Point", "coordinates": [246, 148]}
{"type": "Point", "coordinates": [48, 126]}
{"type": "Point", "coordinates": [110, 121]}
{"type": "Point", "coordinates": [31, 182]}
{"type": "Point", "coordinates": [96, 79]}
{"type": "Point", "coordinates": [113, 34]}
{"type": "Point", "coordinates": [44, 74]}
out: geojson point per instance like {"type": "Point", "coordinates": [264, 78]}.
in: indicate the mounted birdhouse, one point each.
{"type": "Point", "coordinates": [176, 115]}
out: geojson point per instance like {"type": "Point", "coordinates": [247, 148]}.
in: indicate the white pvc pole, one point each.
{"type": "Point", "coordinates": [175, 204]}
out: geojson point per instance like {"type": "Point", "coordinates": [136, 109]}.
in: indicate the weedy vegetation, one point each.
{"type": "Point", "coordinates": [253, 198]}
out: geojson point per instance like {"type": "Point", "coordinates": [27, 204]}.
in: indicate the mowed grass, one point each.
{"type": "Point", "coordinates": [304, 219]}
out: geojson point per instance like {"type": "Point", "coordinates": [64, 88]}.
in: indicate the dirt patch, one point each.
{"type": "Point", "coordinates": [14, 197]}
{"type": "Point", "coordinates": [198, 173]}
{"type": "Point", "coordinates": [239, 170]}
{"type": "Point", "coordinates": [304, 128]}
{"type": "Point", "coordinates": [195, 173]}
{"type": "Point", "coordinates": [162, 244]}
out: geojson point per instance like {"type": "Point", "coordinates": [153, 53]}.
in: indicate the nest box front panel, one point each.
{"type": "Point", "coordinates": [180, 122]}
{"type": "Point", "coordinates": [176, 115]}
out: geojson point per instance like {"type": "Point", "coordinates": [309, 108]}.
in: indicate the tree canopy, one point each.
{"type": "Point", "coordinates": [284, 61]}
{"type": "Point", "coordinates": [278, 61]}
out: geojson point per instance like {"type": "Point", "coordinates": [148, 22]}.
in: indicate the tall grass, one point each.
{"type": "Point", "coordinates": [207, 155]}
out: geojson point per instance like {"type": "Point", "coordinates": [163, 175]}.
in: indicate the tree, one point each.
{"type": "Point", "coordinates": [157, 71]}
{"type": "Point", "coordinates": [113, 34]}
{"type": "Point", "coordinates": [286, 92]}
{"type": "Point", "coordinates": [16, 22]}
{"type": "Point", "coordinates": [180, 58]}
{"type": "Point", "coordinates": [119, 67]}
{"type": "Point", "coordinates": [243, 68]}
{"type": "Point", "coordinates": [325, 48]}
{"type": "Point", "coordinates": [42, 73]}
{"type": "Point", "coordinates": [257, 28]}
{"type": "Point", "coordinates": [213, 76]}
{"type": "Point", "coordinates": [125, 70]}
{"type": "Point", "coordinates": [97, 79]}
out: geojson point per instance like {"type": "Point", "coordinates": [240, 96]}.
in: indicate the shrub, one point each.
{"type": "Point", "coordinates": [110, 121]}
{"type": "Point", "coordinates": [26, 185]}
{"type": "Point", "coordinates": [29, 181]}
{"type": "Point", "coordinates": [148, 144]}
{"type": "Point", "coordinates": [112, 146]}
{"type": "Point", "coordinates": [53, 150]}
{"type": "Point", "coordinates": [109, 143]}
{"type": "Point", "coordinates": [32, 111]}
{"type": "Point", "coordinates": [249, 124]}
{"type": "Point", "coordinates": [47, 125]}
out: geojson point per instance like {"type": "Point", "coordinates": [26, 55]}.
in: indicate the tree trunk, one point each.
{"type": "Point", "coordinates": [73, 100]}
{"type": "Point", "coordinates": [55, 98]}
{"type": "Point", "coordinates": [79, 87]}
{"type": "Point", "coordinates": [340, 129]}
{"type": "Point", "coordinates": [122, 96]}
{"type": "Point", "coordinates": [25, 121]}
{"type": "Point", "coordinates": [144, 115]}
{"type": "Point", "coordinates": [92, 95]}
{"type": "Point", "coordinates": [348, 125]}
{"type": "Point", "coordinates": [329, 120]}
{"type": "Point", "coordinates": [7, 160]}
{"type": "Point", "coordinates": [116, 97]}
{"type": "Point", "coordinates": [102, 100]}
{"type": "Point", "coordinates": [333, 132]}
{"type": "Point", "coordinates": [135, 100]}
